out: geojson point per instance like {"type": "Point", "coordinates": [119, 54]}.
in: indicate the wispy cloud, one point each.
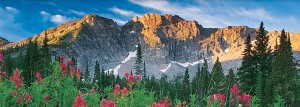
{"type": "Point", "coordinates": [56, 19]}
{"type": "Point", "coordinates": [79, 13]}
{"type": "Point", "coordinates": [9, 28]}
{"type": "Point", "coordinates": [123, 12]}
{"type": "Point", "coordinates": [258, 13]}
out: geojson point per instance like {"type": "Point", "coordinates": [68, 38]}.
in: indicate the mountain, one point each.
{"type": "Point", "coordinates": [169, 43]}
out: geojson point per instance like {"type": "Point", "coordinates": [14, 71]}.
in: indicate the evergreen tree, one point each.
{"type": "Point", "coordinates": [282, 79]}
{"type": "Point", "coordinates": [205, 82]}
{"type": "Point", "coordinates": [144, 71]}
{"type": "Point", "coordinates": [9, 64]}
{"type": "Point", "coordinates": [262, 61]}
{"type": "Point", "coordinates": [247, 74]}
{"type": "Point", "coordinates": [32, 62]}
{"type": "Point", "coordinates": [186, 85]}
{"type": "Point", "coordinates": [45, 56]}
{"type": "Point", "coordinates": [230, 78]}
{"type": "Point", "coordinates": [87, 73]}
{"type": "Point", "coordinates": [138, 62]}
{"type": "Point", "coordinates": [218, 78]}
{"type": "Point", "coordinates": [96, 79]}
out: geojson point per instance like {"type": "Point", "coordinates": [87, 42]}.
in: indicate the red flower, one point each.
{"type": "Point", "coordinates": [3, 73]}
{"type": "Point", "coordinates": [27, 96]}
{"type": "Point", "coordinates": [19, 100]}
{"type": "Point", "coordinates": [72, 71]}
{"type": "Point", "coordinates": [1, 56]}
{"type": "Point", "coordinates": [138, 76]}
{"type": "Point", "coordinates": [38, 76]}
{"type": "Point", "coordinates": [63, 67]}
{"type": "Point", "coordinates": [61, 58]}
{"type": "Point", "coordinates": [244, 98]}
{"type": "Point", "coordinates": [78, 73]}
{"type": "Point", "coordinates": [218, 97]}
{"type": "Point", "coordinates": [124, 91]}
{"type": "Point", "coordinates": [162, 103]}
{"type": "Point", "coordinates": [13, 92]}
{"type": "Point", "coordinates": [106, 103]}
{"type": "Point", "coordinates": [46, 97]}
{"type": "Point", "coordinates": [234, 90]}
{"type": "Point", "coordinates": [131, 79]}
{"type": "Point", "coordinates": [117, 89]}
{"type": "Point", "coordinates": [79, 102]}
{"type": "Point", "coordinates": [126, 74]}
{"type": "Point", "coordinates": [93, 90]}
{"type": "Point", "coordinates": [70, 62]}
{"type": "Point", "coordinates": [15, 78]}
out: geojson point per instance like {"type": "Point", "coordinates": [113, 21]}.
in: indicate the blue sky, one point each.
{"type": "Point", "coordinates": [21, 19]}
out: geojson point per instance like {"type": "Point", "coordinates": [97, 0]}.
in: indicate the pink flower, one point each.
{"type": "Point", "coordinates": [79, 102]}
{"type": "Point", "coordinates": [124, 91]}
{"type": "Point", "coordinates": [38, 76]}
{"type": "Point", "coordinates": [1, 56]}
{"type": "Point", "coordinates": [244, 98]}
{"type": "Point", "coordinates": [15, 78]}
{"type": "Point", "coordinates": [234, 90]}
{"type": "Point", "coordinates": [19, 100]}
{"type": "Point", "coordinates": [3, 73]}
{"type": "Point", "coordinates": [78, 73]}
{"type": "Point", "coordinates": [46, 97]}
{"type": "Point", "coordinates": [27, 96]}
{"type": "Point", "coordinates": [117, 89]}
{"type": "Point", "coordinates": [63, 67]}
{"type": "Point", "coordinates": [61, 58]}
{"type": "Point", "coordinates": [72, 71]}
{"type": "Point", "coordinates": [162, 103]}
{"type": "Point", "coordinates": [138, 76]}
{"type": "Point", "coordinates": [218, 97]}
{"type": "Point", "coordinates": [93, 91]}
{"type": "Point", "coordinates": [106, 103]}
{"type": "Point", "coordinates": [70, 62]}
{"type": "Point", "coordinates": [126, 74]}
{"type": "Point", "coordinates": [131, 79]}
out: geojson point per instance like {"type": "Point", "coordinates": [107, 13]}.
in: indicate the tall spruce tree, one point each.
{"type": "Point", "coordinates": [262, 61]}
{"type": "Point", "coordinates": [218, 82]}
{"type": "Point", "coordinates": [205, 82]}
{"type": "Point", "coordinates": [186, 85]}
{"type": "Point", "coordinates": [247, 74]}
{"type": "Point", "coordinates": [45, 56]}
{"type": "Point", "coordinates": [282, 79]}
{"type": "Point", "coordinates": [138, 62]}
{"type": "Point", "coordinates": [96, 79]}
{"type": "Point", "coordinates": [144, 71]}
{"type": "Point", "coordinates": [87, 73]}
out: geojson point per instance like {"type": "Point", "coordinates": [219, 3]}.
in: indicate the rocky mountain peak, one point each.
{"type": "Point", "coordinates": [3, 41]}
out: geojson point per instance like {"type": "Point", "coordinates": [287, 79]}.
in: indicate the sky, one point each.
{"type": "Point", "coordinates": [20, 19]}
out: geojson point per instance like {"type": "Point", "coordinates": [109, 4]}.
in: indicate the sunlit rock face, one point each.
{"type": "Point", "coordinates": [169, 43]}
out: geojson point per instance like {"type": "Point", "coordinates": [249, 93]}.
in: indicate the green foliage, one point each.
{"type": "Point", "coordinates": [186, 85]}
{"type": "Point", "coordinates": [254, 101]}
{"type": "Point", "coordinates": [279, 102]}
{"type": "Point", "coordinates": [138, 62]}
{"type": "Point", "coordinates": [218, 82]}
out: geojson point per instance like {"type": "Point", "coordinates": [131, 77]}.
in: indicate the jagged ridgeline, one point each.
{"type": "Point", "coordinates": [169, 43]}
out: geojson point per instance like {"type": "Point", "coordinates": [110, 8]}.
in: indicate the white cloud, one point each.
{"type": "Point", "coordinates": [59, 19]}
{"type": "Point", "coordinates": [11, 9]}
{"type": "Point", "coordinates": [56, 19]}
{"type": "Point", "coordinates": [258, 13]}
{"type": "Point", "coordinates": [79, 13]}
{"type": "Point", "coordinates": [126, 13]}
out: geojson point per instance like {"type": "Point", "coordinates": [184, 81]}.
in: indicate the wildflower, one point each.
{"type": "Point", "coordinates": [13, 92]}
{"type": "Point", "coordinates": [27, 96]}
{"type": "Point", "coordinates": [61, 58]}
{"type": "Point", "coordinates": [70, 62]}
{"type": "Point", "coordinates": [78, 73]}
{"type": "Point", "coordinates": [15, 78]}
{"type": "Point", "coordinates": [63, 67]}
{"type": "Point", "coordinates": [126, 74]}
{"type": "Point", "coordinates": [245, 98]}
{"type": "Point", "coordinates": [3, 73]}
{"type": "Point", "coordinates": [138, 77]}
{"type": "Point", "coordinates": [38, 76]}
{"type": "Point", "coordinates": [79, 102]}
{"type": "Point", "coordinates": [131, 79]}
{"type": "Point", "coordinates": [19, 100]}
{"type": "Point", "coordinates": [93, 90]}
{"type": "Point", "coordinates": [1, 56]}
{"type": "Point", "coordinates": [106, 103]}
{"type": "Point", "coordinates": [46, 97]}
{"type": "Point", "coordinates": [117, 89]}
{"type": "Point", "coordinates": [124, 91]}
{"type": "Point", "coordinates": [218, 97]}
{"type": "Point", "coordinates": [234, 90]}
{"type": "Point", "coordinates": [72, 71]}
{"type": "Point", "coordinates": [162, 103]}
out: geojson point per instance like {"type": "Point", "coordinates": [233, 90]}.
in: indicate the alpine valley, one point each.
{"type": "Point", "coordinates": [169, 43]}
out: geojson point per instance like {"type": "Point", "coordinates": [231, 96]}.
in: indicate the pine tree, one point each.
{"type": "Point", "coordinates": [45, 56]}
{"type": "Point", "coordinates": [144, 71]}
{"type": "Point", "coordinates": [230, 78]}
{"type": "Point", "coordinates": [9, 64]}
{"type": "Point", "coordinates": [205, 82]}
{"type": "Point", "coordinates": [262, 61]}
{"type": "Point", "coordinates": [282, 79]}
{"type": "Point", "coordinates": [96, 79]}
{"type": "Point", "coordinates": [218, 78]}
{"type": "Point", "coordinates": [138, 62]}
{"type": "Point", "coordinates": [186, 85]}
{"type": "Point", "coordinates": [87, 73]}
{"type": "Point", "coordinates": [247, 74]}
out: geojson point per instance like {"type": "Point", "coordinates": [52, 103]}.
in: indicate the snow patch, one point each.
{"type": "Point", "coordinates": [164, 70]}
{"type": "Point", "coordinates": [132, 31]}
{"type": "Point", "coordinates": [253, 42]}
{"type": "Point", "coordinates": [131, 55]}
{"type": "Point", "coordinates": [227, 50]}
